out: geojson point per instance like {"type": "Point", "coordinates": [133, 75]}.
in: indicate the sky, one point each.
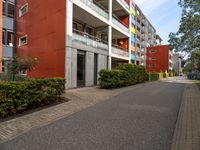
{"type": "Point", "coordinates": [164, 15]}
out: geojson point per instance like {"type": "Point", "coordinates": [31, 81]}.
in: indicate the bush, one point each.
{"type": "Point", "coordinates": [153, 76]}
{"type": "Point", "coordinates": [164, 75]}
{"type": "Point", "coordinates": [123, 75]}
{"type": "Point", "coordinates": [19, 96]}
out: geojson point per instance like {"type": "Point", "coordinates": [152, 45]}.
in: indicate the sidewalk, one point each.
{"type": "Point", "coordinates": [79, 100]}
{"type": "Point", "coordinates": [187, 132]}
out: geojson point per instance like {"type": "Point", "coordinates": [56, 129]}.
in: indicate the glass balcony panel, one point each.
{"type": "Point", "coordinates": [89, 40]}
{"type": "Point", "coordinates": [119, 51]}
{"type": "Point", "coordinates": [95, 7]}
{"type": "Point", "coordinates": [120, 24]}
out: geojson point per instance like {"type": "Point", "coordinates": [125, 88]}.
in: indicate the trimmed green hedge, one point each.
{"type": "Point", "coordinates": [153, 76]}
{"type": "Point", "coordinates": [19, 96]}
{"type": "Point", "coordinates": [123, 75]}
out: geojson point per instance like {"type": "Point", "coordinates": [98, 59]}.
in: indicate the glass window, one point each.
{"type": "Point", "coordinates": [3, 66]}
{"type": "Point", "coordinates": [4, 8]}
{"type": "Point", "coordinates": [23, 10]}
{"type": "Point", "coordinates": [4, 37]}
{"type": "Point", "coordinates": [23, 40]}
{"type": "Point", "coordinates": [11, 10]}
{"type": "Point", "coordinates": [152, 65]}
{"type": "Point", "coordinates": [10, 38]}
{"type": "Point", "coordinates": [152, 51]}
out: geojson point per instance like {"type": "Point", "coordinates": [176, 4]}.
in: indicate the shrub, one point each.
{"type": "Point", "coordinates": [123, 75]}
{"type": "Point", "coordinates": [19, 96]}
{"type": "Point", "coordinates": [164, 75]}
{"type": "Point", "coordinates": [153, 76]}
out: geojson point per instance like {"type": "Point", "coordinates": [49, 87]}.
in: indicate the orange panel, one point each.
{"type": "Point", "coordinates": [45, 26]}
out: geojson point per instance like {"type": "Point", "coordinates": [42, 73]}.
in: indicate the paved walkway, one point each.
{"type": "Point", "coordinates": [141, 118]}
{"type": "Point", "coordinates": [79, 100]}
{"type": "Point", "coordinates": [187, 132]}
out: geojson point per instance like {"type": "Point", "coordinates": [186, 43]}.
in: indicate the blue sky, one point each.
{"type": "Point", "coordinates": [163, 14]}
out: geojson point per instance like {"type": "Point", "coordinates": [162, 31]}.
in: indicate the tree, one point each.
{"type": "Point", "coordinates": [187, 38]}
{"type": "Point", "coordinates": [19, 64]}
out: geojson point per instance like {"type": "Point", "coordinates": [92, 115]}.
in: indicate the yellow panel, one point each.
{"type": "Point", "coordinates": [133, 30]}
{"type": "Point", "coordinates": [133, 11]}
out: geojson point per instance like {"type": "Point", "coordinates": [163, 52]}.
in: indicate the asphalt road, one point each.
{"type": "Point", "coordinates": [139, 119]}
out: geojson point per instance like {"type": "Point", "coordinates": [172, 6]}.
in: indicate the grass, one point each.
{"type": "Point", "coordinates": [198, 83]}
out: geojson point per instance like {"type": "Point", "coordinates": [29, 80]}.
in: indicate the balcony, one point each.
{"type": "Point", "coordinates": [125, 3]}
{"type": "Point", "coordinates": [120, 24]}
{"type": "Point", "coordinates": [89, 40]}
{"type": "Point", "coordinates": [97, 8]}
{"type": "Point", "coordinates": [119, 51]}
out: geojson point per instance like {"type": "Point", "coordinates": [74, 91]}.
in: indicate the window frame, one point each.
{"type": "Point", "coordinates": [20, 43]}
{"type": "Point", "coordinates": [20, 10]}
{"type": "Point", "coordinates": [13, 15]}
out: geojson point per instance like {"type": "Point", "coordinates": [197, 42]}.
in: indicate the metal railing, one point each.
{"type": "Point", "coordinates": [119, 50]}
{"type": "Point", "coordinates": [119, 23]}
{"type": "Point", "coordinates": [96, 7]}
{"type": "Point", "coordinates": [89, 40]}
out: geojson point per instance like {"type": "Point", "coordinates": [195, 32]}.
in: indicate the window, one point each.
{"type": "Point", "coordinates": [23, 40]}
{"type": "Point", "coordinates": [23, 72]}
{"type": "Point", "coordinates": [152, 51]}
{"type": "Point", "coordinates": [152, 58]}
{"type": "Point", "coordinates": [152, 65]}
{"type": "Point", "coordinates": [11, 10]}
{"type": "Point", "coordinates": [23, 10]}
{"type": "Point", "coordinates": [3, 66]}
{"type": "Point", "coordinates": [4, 8]}
{"type": "Point", "coordinates": [10, 38]}
{"type": "Point", "coordinates": [4, 37]}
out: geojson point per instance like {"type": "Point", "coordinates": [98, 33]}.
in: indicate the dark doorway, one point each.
{"type": "Point", "coordinates": [95, 69]}
{"type": "Point", "coordinates": [81, 69]}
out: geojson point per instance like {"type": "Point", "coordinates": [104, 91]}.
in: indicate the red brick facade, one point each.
{"type": "Point", "coordinates": [158, 58]}
{"type": "Point", "coordinates": [44, 25]}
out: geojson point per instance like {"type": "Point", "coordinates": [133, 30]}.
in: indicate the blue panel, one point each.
{"type": "Point", "coordinates": [132, 57]}
{"type": "Point", "coordinates": [132, 39]}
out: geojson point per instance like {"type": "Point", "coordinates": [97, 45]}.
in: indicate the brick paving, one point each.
{"type": "Point", "coordinates": [187, 132]}
{"type": "Point", "coordinates": [79, 100]}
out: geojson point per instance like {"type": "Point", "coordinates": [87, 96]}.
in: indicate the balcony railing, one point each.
{"type": "Point", "coordinates": [96, 7]}
{"type": "Point", "coordinates": [119, 50]}
{"type": "Point", "coordinates": [89, 40]}
{"type": "Point", "coordinates": [125, 3]}
{"type": "Point", "coordinates": [120, 24]}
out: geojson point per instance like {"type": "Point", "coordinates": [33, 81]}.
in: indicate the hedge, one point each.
{"type": "Point", "coordinates": [19, 96]}
{"type": "Point", "coordinates": [153, 76]}
{"type": "Point", "coordinates": [123, 75]}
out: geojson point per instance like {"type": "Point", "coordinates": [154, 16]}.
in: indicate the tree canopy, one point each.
{"type": "Point", "coordinates": [187, 38]}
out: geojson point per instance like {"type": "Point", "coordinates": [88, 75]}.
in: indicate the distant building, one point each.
{"type": "Point", "coordinates": [177, 60]}
{"type": "Point", "coordinates": [159, 59]}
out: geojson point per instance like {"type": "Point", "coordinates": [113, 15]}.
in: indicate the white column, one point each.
{"type": "Point", "coordinates": [110, 35]}
{"type": "Point", "coordinates": [130, 35]}
{"type": "Point", "coordinates": [68, 44]}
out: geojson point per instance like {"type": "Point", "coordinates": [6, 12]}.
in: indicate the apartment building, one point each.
{"type": "Point", "coordinates": [7, 32]}
{"type": "Point", "coordinates": [74, 39]}
{"type": "Point", "coordinates": [146, 36]}
{"type": "Point", "coordinates": [159, 59]}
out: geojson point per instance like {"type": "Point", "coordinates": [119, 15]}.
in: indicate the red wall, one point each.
{"type": "Point", "coordinates": [125, 20]}
{"type": "Point", "coordinates": [1, 53]}
{"type": "Point", "coordinates": [162, 58]}
{"type": "Point", "coordinates": [45, 26]}
{"type": "Point", "coordinates": [124, 44]}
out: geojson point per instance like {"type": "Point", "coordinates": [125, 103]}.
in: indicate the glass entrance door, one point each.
{"type": "Point", "coordinates": [81, 69]}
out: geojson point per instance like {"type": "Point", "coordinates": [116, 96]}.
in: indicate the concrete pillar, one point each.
{"type": "Point", "coordinates": [110, 36]}
{"type": "Point", "coordinates": [89, 79]}
{"type": "Point", "coordinates": [68, 44]}
{"type": "Point", "coordinates": [129, 48]}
